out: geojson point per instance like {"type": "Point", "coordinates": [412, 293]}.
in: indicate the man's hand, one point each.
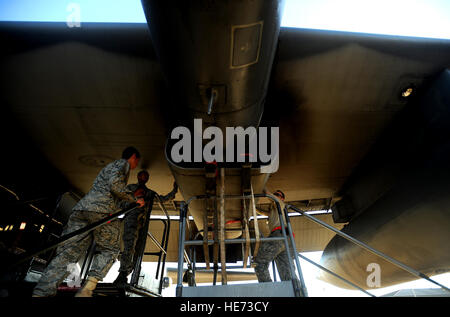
{"type": "Point", "coordinates": [140, 202]}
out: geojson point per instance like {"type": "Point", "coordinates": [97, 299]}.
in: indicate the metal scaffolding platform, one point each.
{"type": "Point", "coordinates": [275, 289]}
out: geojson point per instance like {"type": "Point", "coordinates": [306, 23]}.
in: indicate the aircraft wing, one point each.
{"type": "Point", "coordinates": [333, 94]}
{"type": "Point", "coordinates": [73, 98]}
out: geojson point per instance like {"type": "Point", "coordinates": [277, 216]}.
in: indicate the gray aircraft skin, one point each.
{"type": "Point", "coordinates": [350, 138]}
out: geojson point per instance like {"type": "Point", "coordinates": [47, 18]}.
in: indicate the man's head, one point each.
{"type": "Point", "coordinates": [279, 194]}
{"type": "Point", "coordinates": [132, 155]}
{"type": "Point", "coordinates": [142, 177]}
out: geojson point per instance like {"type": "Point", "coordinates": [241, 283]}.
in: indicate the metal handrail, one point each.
{"type": "Point", "coordinates": [182, 229]}
{"type": "Point", "coordinates": [72, 234]}
{"type": "Point", "coordinates": [165, 242]}
{"type": "Point", "coordinates": [158, 245]}
{"type": "Point", "coordinates": [162, 247]}
{"type": "Point", "coordinates": [230, 241]}
{"type": "Point", "coordinates": [367, 247]}
{"type": "Point", "coordinates": [334, 274]}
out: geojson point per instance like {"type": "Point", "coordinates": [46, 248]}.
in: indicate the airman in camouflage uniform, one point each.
{"type": "Point", "coordinates": [273, 250]}
{"type": "Point", "coordinates": [108, 190]}
{"type": "Point", "coordinates": [134, 223]}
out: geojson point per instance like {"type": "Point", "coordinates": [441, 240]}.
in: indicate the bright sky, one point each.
{"type": "Point", "coordinates": [422, 18]}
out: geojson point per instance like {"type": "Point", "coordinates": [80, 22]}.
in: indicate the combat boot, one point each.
{"type": "Point", "coordinates": [121, 279]}
{"type": "Point", "coordinates": [88, 288]}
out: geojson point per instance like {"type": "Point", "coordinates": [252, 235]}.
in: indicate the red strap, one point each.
{"type": "Point", "coordinates": [279, 228]}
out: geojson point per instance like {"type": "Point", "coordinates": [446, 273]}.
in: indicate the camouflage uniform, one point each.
{"type": "Point", "coordinates": [108, 190]}
{"type": "Point", "coordinates": [273, 250]}
{"type": "Point", "coordinates": [133, 224]}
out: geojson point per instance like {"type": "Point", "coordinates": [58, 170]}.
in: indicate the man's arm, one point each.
{"type": "Point", "coordinates": [263, 211]}
{"type": "Point", "coordinates": [170, 195]}
{"type": "Point", "coordinates": [125, 203]}
{"type": "Point", "coordinates": [118, 186]}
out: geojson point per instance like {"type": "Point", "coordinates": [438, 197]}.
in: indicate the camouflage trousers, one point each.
{"type": "Point", "coordinates": [133, 224]}
{"type": "Point", "coordinates": [107, 248]}
{"type": "Point", "coordinates": [269, 251]}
